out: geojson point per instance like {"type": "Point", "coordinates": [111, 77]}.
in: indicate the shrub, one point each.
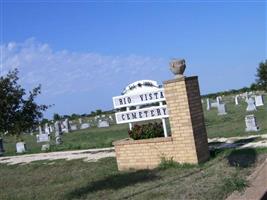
{"type": "Point", "coordinates": [146, 131]}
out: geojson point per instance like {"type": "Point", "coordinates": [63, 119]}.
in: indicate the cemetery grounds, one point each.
{"type": "Point", "coordinates": [225, 172]}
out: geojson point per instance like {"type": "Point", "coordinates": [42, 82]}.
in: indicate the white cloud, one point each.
{"type": "Point", "coordinates": [64, 72]}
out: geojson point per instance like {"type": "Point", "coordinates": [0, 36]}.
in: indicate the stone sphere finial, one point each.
{"type": "Point", "coordinates": [177, 66]}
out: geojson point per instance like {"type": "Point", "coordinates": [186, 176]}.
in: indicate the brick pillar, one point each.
{"type": "Point", "coordinates": [186, 120]}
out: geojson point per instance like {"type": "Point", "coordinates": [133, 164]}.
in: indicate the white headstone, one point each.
{"type": "Point", "coordinates": [42, 138]}
{"type": "Point", "coordinates": [73, 127]}
{"type": "Point", "coordinates": [251, 105]}
{"type": "Point", "coordinates": [40, 130]}
{"type": "Point", "coordinates": [85, 126]}
{"type": "Point", "coordinates": [208, 104]}
{"type": "Point", "coordinates": [66, 126]}
{"type": "Point", "coordinates": [20, 147]}
{"type": "Point", "coordinates": [51, 128]}
{"type": "Point", "coordinates": [80, 121]}
{"type": "Point", "coordinates": [218, 99]}
{"type": "Point", "coordinates": [251, 124]}
{"type": "Point", "coordinates": [221, 109]}
{"type": "Point", "coordinates": [236, 100]}
{"type": "Point", "coordinates": [103, 124]}
{"type": "Point", "coordinates": [259, 100]}
{"type": "Point", "coordinates": [47, 131]}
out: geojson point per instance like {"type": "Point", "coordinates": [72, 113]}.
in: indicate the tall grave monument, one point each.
{"type": "Point", "coordinates": [58, 133]}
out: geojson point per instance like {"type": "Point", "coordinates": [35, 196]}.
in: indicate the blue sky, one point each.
{"type": "Point", "coordinates": [83, 53]}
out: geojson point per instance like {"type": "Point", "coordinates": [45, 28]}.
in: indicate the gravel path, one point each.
{"type": "Point", "coordinates": [253, 141]}
{"type": "Point", "coordinates": [89, 155]}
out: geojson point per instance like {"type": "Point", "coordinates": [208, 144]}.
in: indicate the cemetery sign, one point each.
{"type": "Point", "coordinates": [139, 98]}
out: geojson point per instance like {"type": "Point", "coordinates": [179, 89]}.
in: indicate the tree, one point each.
{"type": "Point", "coordinates": [93, 113]}
{"type": "Point", "coordinates": [254, 87]}
{"type": "Point", "coordinates": [44, 121]}
{"type": "Point", "coordinates": [74, 116]}
{"type": "Point", "coordinates": [56, 117]}
{"type": "Point", "coordinates": [262, 76]}
{"type": "Point", "coordinates": [18, 111]}
{"type": "Point", "coordinates": [98, 112]}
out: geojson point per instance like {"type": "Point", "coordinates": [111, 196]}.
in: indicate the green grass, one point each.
{"type": "Point", "coordinates": [82, 139]}
{"type": "Point", "coordinates": [232, 124]}
{"type": "Point", "coordinates": [76, 179]}
{"type": "Point", "coordinates": [216, 179]}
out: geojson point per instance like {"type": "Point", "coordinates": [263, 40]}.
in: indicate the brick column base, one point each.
{"type": "Point", "coordinates": [186, 120]}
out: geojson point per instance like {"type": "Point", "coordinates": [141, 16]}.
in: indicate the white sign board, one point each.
{"type": "Point", "coordinates": [141, 97]}
{"type": "Point", "coordinates": [154, 112]}
{"type": "Point", "coordinates": [155, 95]}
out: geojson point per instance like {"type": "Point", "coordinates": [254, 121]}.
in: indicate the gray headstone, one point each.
{"type": "Point", "coordinates": [219, 99]}
{"type": "Point", "coordinates": [221, 109]}
{"type": "Point", "coordinates": [58, 132]}
{"type": "Point", "coordinates": [251, 124]}
{"type": "Point", "coordinates": [259, 100]}
{"type": "Point", "coordinates": [20, 147]}
{"type": "Point", "coordinates": [102, 124]}
{"type": "Point", "coordinates": [251, 105]}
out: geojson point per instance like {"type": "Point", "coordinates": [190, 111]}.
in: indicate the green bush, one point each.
{"type": "Point", "coordinates": [146, 131]}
